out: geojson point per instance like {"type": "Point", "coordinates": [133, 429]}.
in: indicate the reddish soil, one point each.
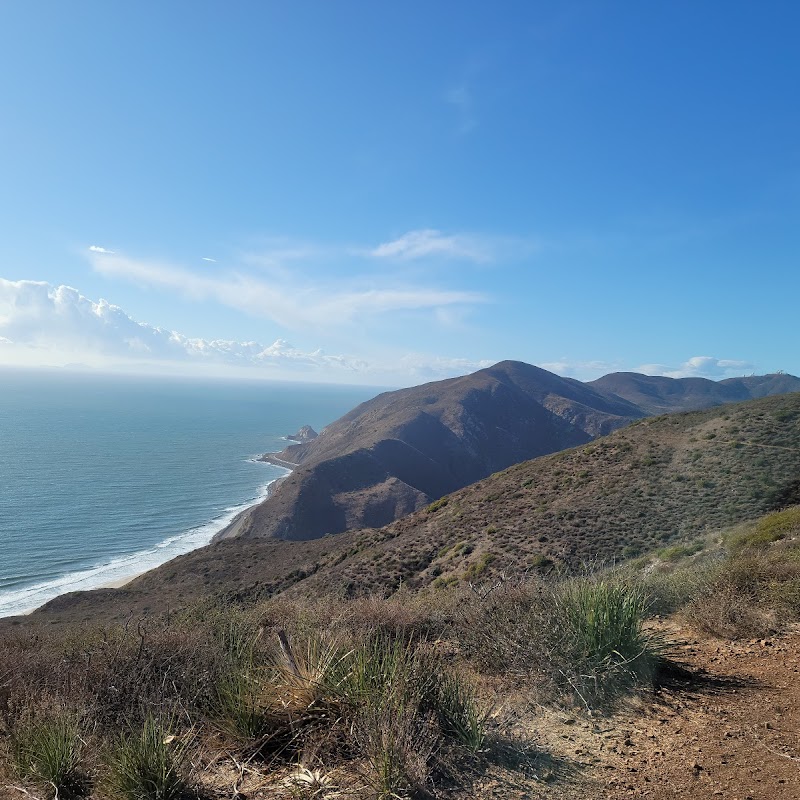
{"type": "Point", "coordinates": [729, 729]}
{"type": "Point", "coordinates": [734, 733]}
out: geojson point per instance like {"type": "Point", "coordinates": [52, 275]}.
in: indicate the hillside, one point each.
{"type": "Point", "coordinates": [655, 394]}
{"type": "Point", "coordinates": [399, 451]}
{"type": "Point", "coordinates": [650, 484]}
{"type": "Point", "coordinates": [641, 487]}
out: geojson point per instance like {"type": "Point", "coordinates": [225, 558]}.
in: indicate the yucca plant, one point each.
{"type": "Point", "coordinates": [600, 644]}
{"type": "Point", "coordinates": [304, 675]}
{"type": "Point", "coordinates": [47, 750]}
{"type": "Point", "coordinates": [459, 714]}
{"type": "Point", "coordinates": [147, 764]}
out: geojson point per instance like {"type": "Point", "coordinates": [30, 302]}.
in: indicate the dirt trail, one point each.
{"type": "Point", "coordinates": [729, 728]}
{"type": "Point", "coordinates": [733, 734]}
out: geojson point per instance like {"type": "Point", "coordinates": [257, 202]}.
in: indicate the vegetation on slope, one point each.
{"type": "Point", "coordinates": [379, 697]}
{"type": "Point", "coordinates": [641, 488]}
{"type": "Point", "coordinates": [650, 486]}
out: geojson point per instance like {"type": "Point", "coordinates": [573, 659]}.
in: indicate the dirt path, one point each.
{"type": "Point", "coordinates": [735, 734]}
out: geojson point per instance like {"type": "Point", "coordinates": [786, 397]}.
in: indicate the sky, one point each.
{"type": "Point", "coordinates": [389, 193]}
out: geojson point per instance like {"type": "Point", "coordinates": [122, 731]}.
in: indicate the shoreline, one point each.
{"type": "Point", "coordinates": [238, 523]}
{"type": "Point", "coordinates": [272, 458]}
{"type": "Point", "coordinates": [136, 570]}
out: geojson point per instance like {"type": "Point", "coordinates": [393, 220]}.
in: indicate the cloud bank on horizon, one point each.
{"type": "Point", "coordinates": [42, 324]}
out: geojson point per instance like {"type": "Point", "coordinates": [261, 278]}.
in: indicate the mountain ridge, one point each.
{"type": "Point", "coordinates": [400, 451]}
{"type": "Point", "coordinates": [652, 484]}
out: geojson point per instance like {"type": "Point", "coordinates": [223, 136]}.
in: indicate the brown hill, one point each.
{"type": "Point", "coordinates": [659, 395]}
{"type": "Point", "coordinates": [648, 485]}
{"type": "Point", "coordinates": [399, 451]}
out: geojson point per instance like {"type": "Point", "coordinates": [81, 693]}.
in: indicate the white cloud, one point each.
{"type": "Point", "coordinates": [581, 370]}
{"type": "Point", "coordinates": [427, 367]}
{"type": "Point", "coordinates": [461, 99]}
{"type": "Point", "coordinates": [56, 325]}
{"type": "Point", "coordinates": [97, 249]}
{"type": "Point", "coordinates": [430, 242]}
{"type": "Point", "coordinates": [58, 320]}
{"type": "Point", "coordinates": [283, 298]}
{"type": "Point", "coordinates": [212, 260]}
{"type": "Point", "coordinates": [700, 367]}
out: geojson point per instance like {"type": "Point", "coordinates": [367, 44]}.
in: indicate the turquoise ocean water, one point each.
{"type": "Point", "coordinates": [103, 477]}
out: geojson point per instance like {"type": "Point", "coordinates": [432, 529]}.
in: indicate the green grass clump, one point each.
{"type": "Point", "coordinates": [147, 764]}
{"type": "Point", "coordinates": [769, 529]}
{"type": "Point", "coordinates": [405, 708]}
{"type": "Point", "coordinates": [459, 713]}
{"type": "Point", "coordinates": [477, 568]}
{"type": "Point", "coordinates": [241, 707]}
{"type": "Point", "coordinates": [603, 646]}
{"type": "Point", "coordinates": [47, 750]}
{"type": "Point", "coordinates": [678, 551]}
{"type": "Point", "coordinates": [437, 504]}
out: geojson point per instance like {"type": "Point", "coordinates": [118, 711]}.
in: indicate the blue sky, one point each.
{"type": "Point", "coordinates": [374, 192]}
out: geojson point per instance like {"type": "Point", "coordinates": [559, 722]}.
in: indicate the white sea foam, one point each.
{"type": "Point", "coordinates": [124, 568]}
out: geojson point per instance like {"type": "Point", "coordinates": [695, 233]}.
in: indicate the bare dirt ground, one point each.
{"type": "Point", "coordinates": [733, 733]}
{"type": "Point", "coordinates": [729, 730]}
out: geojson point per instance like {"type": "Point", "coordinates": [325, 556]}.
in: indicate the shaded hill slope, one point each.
{"type": "Point", "coordinates": [641, 487]}
{"type": "Point", "coordinates": [655, 394]}
{"type": "Point", "coordinates": [399, 451]}
{"type": "Point", "coordinates": [637, 489]}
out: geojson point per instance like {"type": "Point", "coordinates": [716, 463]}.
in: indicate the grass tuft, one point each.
{"type": "Point", "coordinates": [48, 751]}
{"type": "Point", "coordinates": [604, 649]}
{"type": "Point", "coordinates": [147, 764]}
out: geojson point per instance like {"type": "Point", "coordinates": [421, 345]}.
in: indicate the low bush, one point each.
{"type": "Point", "coordinates": [147, 764]}
{"type": "Point", "coordinates": [769, 529]}
{"type": "Point", "coordinates": [755, 590]}
{"type": "Point", "coordinates": [582, 637]}
{"type": "Point", "coordinates": [47, 750]}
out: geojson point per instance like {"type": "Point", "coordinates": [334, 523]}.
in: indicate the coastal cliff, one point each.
{"type": "Point", "coordinates": [402, 450]}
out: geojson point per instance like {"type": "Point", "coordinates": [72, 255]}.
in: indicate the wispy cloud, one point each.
{"type": "Point", "coordinates": [425, 367]}
{"type": "Point", "coordinates": [429, 242]}
{"type": "Point", "coordinates": [700, 367]}
{"type": "Point", "coordinates": [581, 370]}
{"type": "Point", "coordinates": [94, 248]}
{"type": "Point", "coordinates": [212, 260]}
{"type": "Point", "coordinates": [695, 367]}
{"type": "Point", "coordinates": [285, 298]}
{"type": "Point", "coordinates": [460, 98]}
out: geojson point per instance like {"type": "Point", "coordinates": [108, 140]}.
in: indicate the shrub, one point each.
{"type": "Point", "coordinates": [580, 637]}
{"type": "Point", "coordinates": [602, 647]}
{"type": "Point", "coordinates": [670, 589]}
{"type": "Point", "coordinates": [146, 764]}
{"type": "Point", "coordinates": [678, 551]}
{"type": "Point", "coordinates": [753, 592]}
{"type": "Point", "coordinates": [48, 751]}
{"type": "Point", "coordinates": [724, 610]}
{"type": "Point", "coordinates": [437, 504]}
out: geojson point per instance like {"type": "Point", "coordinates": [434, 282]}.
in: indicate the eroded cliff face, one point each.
{"type": "Point", "coordinates": [401, 450]}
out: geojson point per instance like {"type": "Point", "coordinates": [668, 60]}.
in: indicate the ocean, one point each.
{"type": "Point", "coordinates": [105, 476]}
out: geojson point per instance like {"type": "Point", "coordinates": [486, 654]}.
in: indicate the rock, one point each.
{"type": "Point", "coordinates": [305, 434]}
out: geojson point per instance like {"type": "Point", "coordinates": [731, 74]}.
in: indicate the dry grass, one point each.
{"type": "Point", "coordinates": [386, 693]}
